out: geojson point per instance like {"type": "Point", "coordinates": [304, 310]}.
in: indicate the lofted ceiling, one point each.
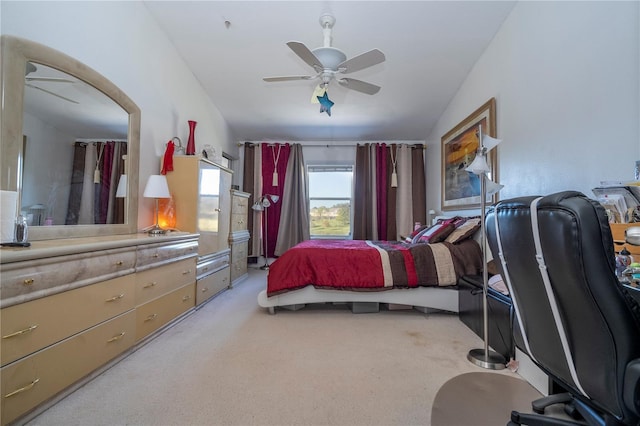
{"type": "Point", "coordinates": [430, 47]}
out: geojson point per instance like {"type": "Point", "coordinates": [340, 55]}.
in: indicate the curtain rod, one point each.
{"type": "Point", "coordinates": [417, 145]}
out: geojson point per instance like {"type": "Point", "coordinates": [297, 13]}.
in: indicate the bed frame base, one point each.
{"type": "Point", "coordinates": [425, 299]}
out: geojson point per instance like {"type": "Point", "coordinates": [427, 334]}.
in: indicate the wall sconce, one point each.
{"type": "Point", "coordinates": [156, 187]}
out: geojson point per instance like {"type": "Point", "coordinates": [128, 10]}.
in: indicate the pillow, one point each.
{"type": "Point", "coordinates": [496, 283]}
{"type": "Point", "coordinates": [414, 233]}
{"type": "Point", "coordinates": [464, 231]}
{"type": "Point", "coordinates": [434, 234]}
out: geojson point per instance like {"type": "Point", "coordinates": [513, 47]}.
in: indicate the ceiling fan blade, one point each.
{"type": "Point", "coordinates": [289, 78]}
{"type": "Point", "coordinates": [305, 54]}
{"type": "Point", "coordinates": [362, 61]}
{"type": "Point", "coordinates": [50, 79]}
{"type": "Point", "coordinates": [359, 85]}
{"type": "Point", "coordinates": [51, 93]}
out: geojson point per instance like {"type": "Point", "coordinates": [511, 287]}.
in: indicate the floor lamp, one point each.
{"type": "Point", "coordinates": [484, 357]}
{"type": "Point", "coordinates": [261, 206]}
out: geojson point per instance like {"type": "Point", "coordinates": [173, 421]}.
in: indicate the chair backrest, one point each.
{"type": "Point", "coordinates": [576, 319]}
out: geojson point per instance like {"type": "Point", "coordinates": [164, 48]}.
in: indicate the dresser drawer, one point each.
{"type": "Point", "coordinates": [240, 204]}
{"type": "Point", "coordinates": [151, 255]}
{"type": "Point", "coordinates": [153, 315]}
{"type": "Point", "coordinates": [212, 284]}
{"type": "Point", "coordinates": [155, 282]}
{"type": "Point", "coordinates": [206, 267]}
{"type": "Point", "coordinates": [238, 222]}
{"type": "Point", "coordinates": [36, 378]}
{"type": "Point", "coordinates": [239, 252]}
{"type": "Point", "coordinates": [28, 280]}
{"type": "Point", "coordinates": [33, 325]}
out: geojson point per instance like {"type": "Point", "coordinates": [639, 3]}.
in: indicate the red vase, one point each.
{"type": "Point", "coordinates": [191, 142]}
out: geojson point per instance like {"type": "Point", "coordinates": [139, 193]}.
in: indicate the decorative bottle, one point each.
{"type": "Point", "coordinates": [20, 230]}
{"type": "Point", "coordinates": [191, 142]}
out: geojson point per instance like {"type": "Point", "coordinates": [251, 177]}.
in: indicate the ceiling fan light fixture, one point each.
{"type": "Point", "coordinates": [330, 57]}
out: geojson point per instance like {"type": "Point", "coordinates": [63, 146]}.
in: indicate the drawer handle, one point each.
{"type": "Point", "coordinates": [224, 279]}
{"type": "Point", "coordinates": [119, 263]}
{"type": "Point", "coordinates": [151, 317]}
{"type": "Point", "coordinates": [185, 298]}
{"type": "Point", "coordinates": [156, 255]}
{"type": "Point", "coordinates": [28, 281]}
{"type": "Point", "coordinates": [205, 269]}
{"type": "Point", "coordinates": [151, 284]}
{"type": "Point", "coordinates": [26, 388]}
{"type": "Point", "coordinates": [114, 298]}
{"type": "Point", "coordinates": [187, 272]}
{"type": "Point", "coordinates": [18, 333]}
{"type": "Point", "coordinates": [204, 289]}
{"type": "Point", "coordinates": [118, 337]}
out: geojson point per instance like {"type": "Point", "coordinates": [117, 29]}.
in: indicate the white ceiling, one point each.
{"type": "Point", "coordinates": [430, 47]}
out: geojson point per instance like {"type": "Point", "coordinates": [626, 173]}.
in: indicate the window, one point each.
{"type": "Point", "coordinates": [330, 201]}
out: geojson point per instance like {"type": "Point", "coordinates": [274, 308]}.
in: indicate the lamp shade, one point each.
{"type": "Point", "coordinates": [257, 207]}
{"type": "Point", "coordinates": [121, 192]}
{"type": "Point", "coordinates": [478, 165]}
{"type": "Point", "coordinates": [274, 198]}
{"type": "Point", "coordinates": [489, 143]}
{"type": "Point", "coordinates": [492, 187]}
{"type": "Point", "coordinates": [157, 187]}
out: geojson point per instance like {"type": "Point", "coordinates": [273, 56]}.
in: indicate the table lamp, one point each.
{"type": "Point", "coordinates": [156, 187]}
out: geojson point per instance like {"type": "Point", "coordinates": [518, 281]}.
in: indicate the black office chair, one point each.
{"type": "Point", "coordinates": [578, 323]}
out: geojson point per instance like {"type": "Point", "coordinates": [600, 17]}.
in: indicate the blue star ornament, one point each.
{"type": "Point", "coordinates": [325, 104]}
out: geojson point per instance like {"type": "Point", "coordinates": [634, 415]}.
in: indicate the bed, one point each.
{"type": "Point", "coordinates": [416, 273]}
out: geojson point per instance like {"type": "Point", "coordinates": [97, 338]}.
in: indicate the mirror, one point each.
{"type": "Point", "coordinates": [68, 136]}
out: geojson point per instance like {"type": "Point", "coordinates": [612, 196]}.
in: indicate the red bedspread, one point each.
{"type": "Point", "coordinates": [372, 265]}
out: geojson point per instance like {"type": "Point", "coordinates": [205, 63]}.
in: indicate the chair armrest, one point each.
{"type": "Point", "coordinates": [631, 391]}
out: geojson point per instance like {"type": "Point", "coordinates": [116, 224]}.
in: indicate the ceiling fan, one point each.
{"type": "Point", "coordinates": [329, 62]}
{"type": "Point", "coordinates": [29, 82]}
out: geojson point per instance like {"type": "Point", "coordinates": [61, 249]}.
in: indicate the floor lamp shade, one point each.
{"type": "Point", "coordinates": [156, 187]}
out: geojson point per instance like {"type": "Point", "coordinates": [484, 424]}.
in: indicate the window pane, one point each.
{"type": "Point", "coordinates": [329, 184]}
{"type": "Point", "coordinates": [330, 217]}
{"type": "Point", "coordinates": [330, 200]}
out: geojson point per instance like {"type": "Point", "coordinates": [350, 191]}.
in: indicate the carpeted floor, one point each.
{"type": "Point", "coordinates": [231, 363]}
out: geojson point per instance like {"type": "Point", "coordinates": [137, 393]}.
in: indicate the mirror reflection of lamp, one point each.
{"type": "Point", "coordinates": [262, 205]}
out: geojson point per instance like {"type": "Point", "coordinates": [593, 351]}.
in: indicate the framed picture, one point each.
{"type": "Point", "coordinates": [461, 189]}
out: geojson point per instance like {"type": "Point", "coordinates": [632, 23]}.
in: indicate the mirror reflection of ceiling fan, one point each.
{"type": "Point", "coordinates": [29, 82]}
{"type": "Point", "coordinates": [329, 62]}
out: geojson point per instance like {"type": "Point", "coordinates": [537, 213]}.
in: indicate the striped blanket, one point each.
{"type": "Point", "coordinates": [372, 265]}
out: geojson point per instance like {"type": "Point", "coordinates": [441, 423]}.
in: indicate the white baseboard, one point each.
{"type": "Point", "coordinates": [531, 373]}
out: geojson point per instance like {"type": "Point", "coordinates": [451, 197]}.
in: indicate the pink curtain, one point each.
{"type": "Point", "coordinates": [274, 159]}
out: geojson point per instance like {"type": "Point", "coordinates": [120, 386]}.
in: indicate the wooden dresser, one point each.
{"type": "Point", "coordinates": [239, 235]}
{"type": "Point", "coordinates": [70, 308]}
{"type": "Point", "coordinates": [201, 190]}
{"type": "Point", "coordinates": [617, 231]}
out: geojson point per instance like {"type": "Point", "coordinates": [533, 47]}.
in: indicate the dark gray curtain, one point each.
{"type": "Point", "coordinates": [294, 216]}
{"type": "Point", "coordinates": [364, 203]}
